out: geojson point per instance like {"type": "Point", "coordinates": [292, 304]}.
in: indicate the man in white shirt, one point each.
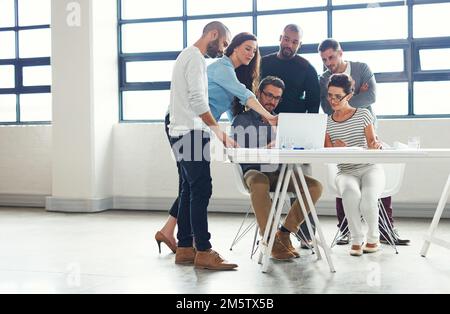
{"type": "Point", "coordinates": [190, 122]}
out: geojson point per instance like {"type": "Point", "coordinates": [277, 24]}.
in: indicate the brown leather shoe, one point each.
{"type": "Point", "coordinates": [212, 260]}
{"type": "Point", "coordinates": [285, 239]}
{"type": "Point", "coordinates": [280, 252]}
{"type": "Point", "coordinates": [185, 256]}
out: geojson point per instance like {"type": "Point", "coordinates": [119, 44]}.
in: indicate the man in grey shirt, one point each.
{"type": "Point", "coordinates": [251, 130]}
{"type": "Point", "coordinates": [365, 85]}
{"type": "Point", "coordinates": [364, 97]}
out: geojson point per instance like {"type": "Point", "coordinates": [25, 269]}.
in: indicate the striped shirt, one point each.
{"type": "Point", "coordinates": [351, 132]}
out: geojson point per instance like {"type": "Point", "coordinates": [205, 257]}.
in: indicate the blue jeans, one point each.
{"type": "Point", "coordinates": [192, 153]}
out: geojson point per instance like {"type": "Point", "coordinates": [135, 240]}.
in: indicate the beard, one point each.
{"type": "Point", "coordinates": [333, 69]}
{"type": "Point", "coordinates": [212, 50]}
{"type": "Point", "coordinates": [287, 53]}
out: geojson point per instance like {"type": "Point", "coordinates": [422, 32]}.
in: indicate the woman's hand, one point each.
{"type": "Point", "coordinates": [375, 145]}
{"type": "Point", "coordinates": [270, 145]}
{"type": "Point", "coordinates": [339, 143]}
{"type": "Point", "coordinates": [272, 120]}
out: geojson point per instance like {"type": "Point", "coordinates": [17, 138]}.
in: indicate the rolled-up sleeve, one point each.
{"type": "Point", "coordinates": [364, 100]}
{"type": "Point", "coordinates": [197, 82]}
{"type": "Point", "coordinates": [228, 80]}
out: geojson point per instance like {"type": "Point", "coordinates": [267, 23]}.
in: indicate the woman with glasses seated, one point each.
{"type": "Point", "coordinates": [360, 185]}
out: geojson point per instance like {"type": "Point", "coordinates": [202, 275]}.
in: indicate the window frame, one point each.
{"type": "Point", "coordinates": [19, 64]}
{"type": "Point", "coordinates": [411, 49]}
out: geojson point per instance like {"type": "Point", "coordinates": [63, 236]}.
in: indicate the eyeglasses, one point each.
{"type": "Point", "coordinates": [270, 96]}
{"type": "Point", "coordinates": [336, 97]}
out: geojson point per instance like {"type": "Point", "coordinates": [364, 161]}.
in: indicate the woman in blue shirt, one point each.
{"type": "Point", "coordinates": [233, 79]}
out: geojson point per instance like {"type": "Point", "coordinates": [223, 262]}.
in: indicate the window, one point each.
{"type": "Point", "coordinates": [406, 60]}
{"type": "Point", "coordinates": [37, 75]}
{"type": "Point", "coordinates": [34, 12]}
{"type": "Point", "coordinates": [28, 47]}
{"type": "Point", "coordinates": [6, 13]}
{"type": "Point", "coordinates": [171, 39]}
{"type": "Point", "coordinates": [314, 25]}
{"type": "Point", "coordinates": [25, 72]}
{"type": "Point", "coordinates": [150, 71]}
{"type": "Point", "coordinates": [36, 107]}
{"type": "Point", "coordinates": [7, 76]}
{"type": "Point", "coordinates": [431, 97]}
{"type": "Point", "coordinates": [392, 99]}
{"type": "Point", "coordinates": [235, 24]}
{"type": "Point", "coordinates": [145, 105]}
{"type": "Point", "coordinates": [315, 61]}
{"type": "Point", "coordinates": [144, 9]}
{"type": "Point", "coordinates": [371, 3]}
{"type": "Point", "coordinates": [199, 7]}
{"type": "Point", "coordinates": [379, 60]}
{"type": "Point", "coordinates": [7, 48]}
{"type": "Point", "coordinates": [435, 59]}
{"type": "Point", "coordinates": [264, 5]}
{"type": "Point", "coordinates": [424, 26]}
{"type": "Point", "coordinates": [365, 24]}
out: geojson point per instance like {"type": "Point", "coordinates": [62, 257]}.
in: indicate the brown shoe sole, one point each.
{"type": "Point", "coordinates": [284, 259]}
{"type": "Point", "coordinates": [216, 268]}
{"type": "Point", "coordinates": [184, 262]}
{"type": "Point", "coordinates": [296, 254]}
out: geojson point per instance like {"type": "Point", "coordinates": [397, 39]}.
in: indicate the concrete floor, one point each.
{"type": "Point", "coordinates": [114, 252]}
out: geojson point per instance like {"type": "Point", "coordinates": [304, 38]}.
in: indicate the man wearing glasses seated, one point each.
{"type": "Point", "coordinates": [250, 130]}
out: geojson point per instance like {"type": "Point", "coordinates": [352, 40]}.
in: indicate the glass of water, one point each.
{"type": "Point", "coordinates": [414, 142]}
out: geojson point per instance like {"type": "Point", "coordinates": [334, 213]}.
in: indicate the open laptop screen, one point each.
{"type": "Point", "coordinates": [301, 130]}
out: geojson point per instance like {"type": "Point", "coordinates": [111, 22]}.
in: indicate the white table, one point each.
{"type": "Point", "coordinates": [290, 161]}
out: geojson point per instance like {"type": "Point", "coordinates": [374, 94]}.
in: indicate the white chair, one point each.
{"type": "Point", "coordinates": [242, 188]}
{"type": "Point", "coordinates": [394, 174]}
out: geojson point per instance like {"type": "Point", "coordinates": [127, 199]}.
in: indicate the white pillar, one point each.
{"type": "Point", "coordinates": [85, 104]}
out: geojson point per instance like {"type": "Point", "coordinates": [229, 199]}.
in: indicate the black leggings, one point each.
{"type": "Point", "coordinates": [174, 209]}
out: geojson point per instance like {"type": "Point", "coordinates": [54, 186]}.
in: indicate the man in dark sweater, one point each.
{"type": "Point", "coordinates": [302, 94]}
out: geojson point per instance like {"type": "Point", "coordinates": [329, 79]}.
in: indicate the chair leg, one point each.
{"type": "Point", "coordinates": [254, 242]}
{"type": "Point", "coordinates": [387, 227]}
{"type": "Point", "coordinates": [303, 238]}
{"type": "Point", "coordinates": [384, 224]}
{"type": "Point", "coordinates": [239, 234]}
{"type": "Point", "coordinates": [339, 233]}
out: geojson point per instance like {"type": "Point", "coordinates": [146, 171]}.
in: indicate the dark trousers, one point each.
{"type": "Point", "coordinates": [303, 232]}
{"type": "Point", "coordinates": [192, 153]}
{"type": "Point", "coordinates": [387, 203]}
{"type": "Point", "coordinates": [304, 229]}
{"type": "Point", "coordinates": [174, 209]}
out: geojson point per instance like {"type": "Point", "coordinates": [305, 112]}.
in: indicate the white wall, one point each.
{"type": "Point", "coordinates": [25, 160]}
{"type": "Point", "coordinates": [71, 96]}
{"type": "Point", "coordinates": [85, 105]}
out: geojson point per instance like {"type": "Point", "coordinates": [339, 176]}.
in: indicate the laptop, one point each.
{"type": "Point", "coordinates": [301, 131]}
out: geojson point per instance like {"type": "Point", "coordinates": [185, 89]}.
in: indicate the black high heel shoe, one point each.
{"type": "Point", "coordinates": [160, 237]}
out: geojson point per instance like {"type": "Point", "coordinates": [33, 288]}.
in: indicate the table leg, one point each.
{"type": "Point", "coordinates": [312, 208]}
{"type": "Point", "coordinates": [263, 246]}
{"type": "Point", "coordinates": [305, 214]}
{"type": "Point", "coordinates": [274, 228]}
{"type": "Point", "coordinates": [437, 216]}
